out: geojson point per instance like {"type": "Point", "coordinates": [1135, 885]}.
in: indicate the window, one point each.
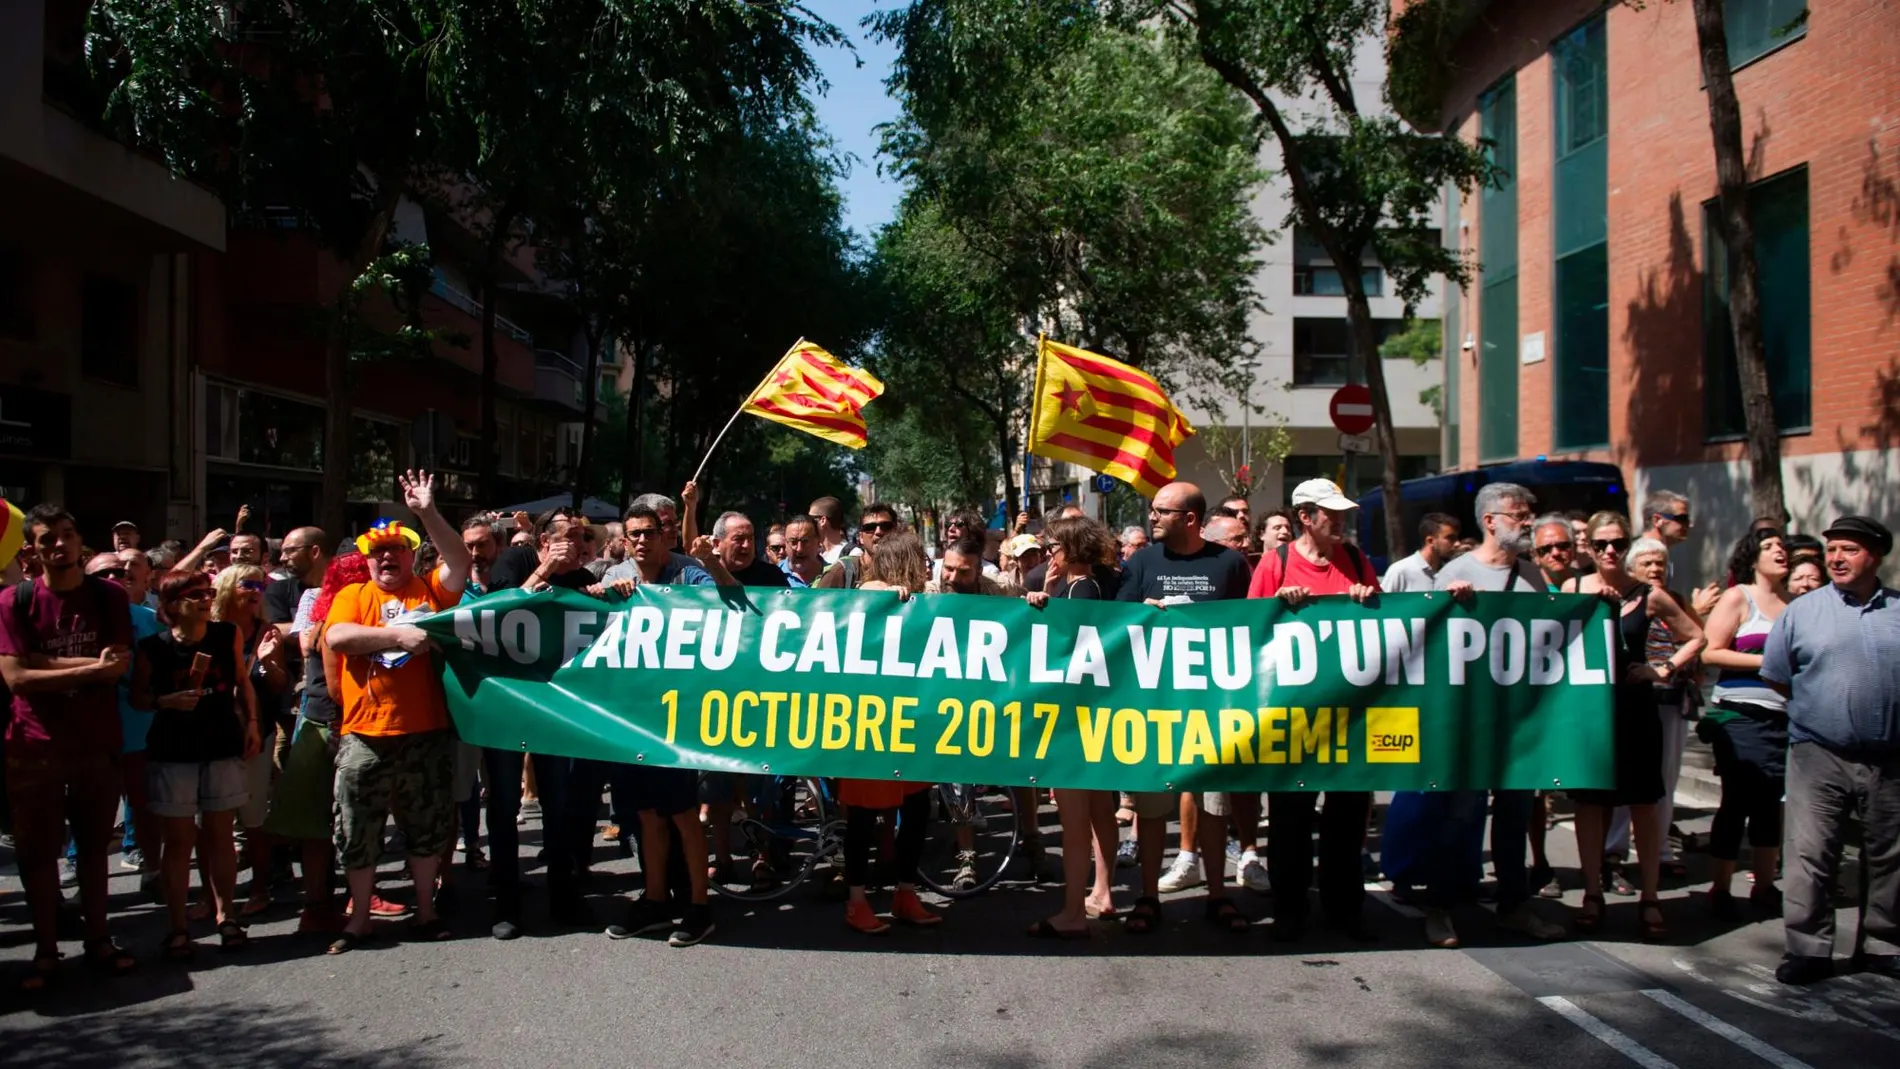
{"type": "Point", "coordinates": [248, 427]}
{"type": "Point", "coordinates": [1778, 207]}
{"type": "Point", "coordinates": [1366, 473]}
{"type": "Point", "coordinates": [1314, 274]}
{"type": "Point", "coordinates": [1322, 349]}
{"type": "Point", "coordinates": [1580, 382]}
{"type": "Point", "coordinates": [17, 313]}
{"type": "Point", "coordinates": [1322, 352]}
{"type": "Point", "coordinates": [109, 335]}
{"type": "Point", "coordinates": [375, 455]}
{"type": "Point", "coordinates": [1755, 28]}
{"type": "Point", "coordinates": [1497, 300]}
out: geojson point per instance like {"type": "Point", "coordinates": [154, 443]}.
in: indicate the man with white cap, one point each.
{"type": "Point", "coordinates": [1320, 561]}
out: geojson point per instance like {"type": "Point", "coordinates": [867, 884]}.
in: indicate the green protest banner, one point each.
{"type": "Point", "coordinates": [1413, 692]}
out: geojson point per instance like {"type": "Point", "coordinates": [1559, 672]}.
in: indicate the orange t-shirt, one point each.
{"type": "Point", "coordinates": [378, 700]}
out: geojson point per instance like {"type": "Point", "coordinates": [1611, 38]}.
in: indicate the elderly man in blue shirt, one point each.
{"type": "Point", "coordinates": [1835, 653]}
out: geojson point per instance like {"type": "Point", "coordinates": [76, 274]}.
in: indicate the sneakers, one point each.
{"type": "Point", "coordinates": [1253, 872]}
{"type": "Point", "coordinates": [697, 926]}
{"type": "Point", "coordinates": [1439, 931]}
{"type": "Point", "coordinates": [1614, 882]}
{"type": "Point", "coordinates": [966, 871]}
{"type": "Point", "coordinates": [132, 861]}
{"type": "Point", "coordinates": [68, 872]}
{"type": "Point", "coordinates": [380, 908]}
{"type": "Point", "coordinates": [861, 916]}
{"type": "Point", "coordinates": [1525, 921]}
{"type": "Point", "coordinates": [1128, 854]}
{"type": "Point", "coordinates": [1185, 873]}
{"type": "Point", "coordinates": [645, 916]}
{"type": "Point", "coordinates": [907, 908]}
{"type": "Point", "coordinates": [530, 807]}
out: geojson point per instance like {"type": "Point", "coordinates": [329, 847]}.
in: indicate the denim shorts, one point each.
{"type": "Point", "coordinates": [186, 789]}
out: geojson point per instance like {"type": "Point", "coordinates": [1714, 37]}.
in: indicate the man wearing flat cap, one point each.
{"type": "Point", "coordinates": [1835, 654]}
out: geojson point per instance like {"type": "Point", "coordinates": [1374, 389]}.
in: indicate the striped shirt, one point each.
{"type": "Point", "coordinates": [1840, 658]}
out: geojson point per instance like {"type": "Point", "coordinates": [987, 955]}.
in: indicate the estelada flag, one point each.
{"type": "Point", "coordinates": [1105, 416]}
{"type": "Point", "coordinates": [817, 393]}
{"type": "Point", "coordinates": [12, 531]}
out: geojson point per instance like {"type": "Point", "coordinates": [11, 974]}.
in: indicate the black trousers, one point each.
{"type": "Point", "coordinates": [860, 830]}
{"type": "Point", "coordinates": [1341, 825]}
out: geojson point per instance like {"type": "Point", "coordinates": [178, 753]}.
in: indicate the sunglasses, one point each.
{"type": "Point", "coordinates": [1679, 517]}
{"type": "Point", "coordinates": [253, 586]}
{"type": "Point", "coordinates": [1609, 545]}
{"type": "Point", "coordinates": [643, 533]}
{"type": "Point", "coordinates": [774, 547]}
{"type": "Point", "coordinates": [197, 593]}
{"type": "Point", "coordinates": [110, 573]}
{"type": "Point", "coordinates": [1544, 551]}
{"type": "Point", "coordinates": [877, 526]}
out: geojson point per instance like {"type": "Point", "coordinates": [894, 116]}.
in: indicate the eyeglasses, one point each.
{"type": "Point", "coordinates": [197, 593]}
{"type": "Point", "coordinates": [1546, 550]}
{"type": "Point", "coordinates": [1157, 510]}
{"type": "Point", "coordinates": [774, 547]}
{"type": "Point", "coordinates": [1679, 517]}
{"type": "Point", "coordinates": [1521, 516]}
{"type": "Point", "coordinates": [1609, 545]}
{"type": "Point", "coordinates": [110, 573]}
{"type": "Point", "coordinates": [253, 586]}
{"type": "Point", "coordinates": [877, 526]}
{"type": "Point", "coordinates": [641, 534]}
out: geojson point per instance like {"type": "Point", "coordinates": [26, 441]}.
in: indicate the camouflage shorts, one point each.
{"type": "Point", "coordinates": [410, 775]}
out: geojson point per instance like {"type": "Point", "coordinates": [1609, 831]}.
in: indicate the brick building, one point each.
{"type": "Point", "coordinates": [1598, 328]}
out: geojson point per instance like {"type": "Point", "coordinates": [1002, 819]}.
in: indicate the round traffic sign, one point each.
{"type": "Point", "coordinates": [1104, 483]}
{"type": "Point", "coordinates": [1351, 409]}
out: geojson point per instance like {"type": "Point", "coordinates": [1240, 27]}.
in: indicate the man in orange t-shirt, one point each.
{"type": "Point", "coordinates": [396, 751]}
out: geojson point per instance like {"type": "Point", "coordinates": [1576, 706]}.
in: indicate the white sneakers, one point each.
{"type": "Point", "coordinates": [1186, 872]}
{"type": "Point", "coordinates": [1253, 872]}
{"type": "Point", "coordinates": [1525, 921]}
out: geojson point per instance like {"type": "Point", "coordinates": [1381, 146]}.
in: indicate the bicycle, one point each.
{"type": "Point", "coordinates": [791, 826]}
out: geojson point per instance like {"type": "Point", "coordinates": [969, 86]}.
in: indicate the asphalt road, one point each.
{"type": "Point", "coordinates": [787, 984]}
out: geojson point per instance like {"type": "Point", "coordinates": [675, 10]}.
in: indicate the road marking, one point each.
{"type": "Point", "coordinates": [1612, 1038]}
{"type": "Point", "coordinates": [1726, 1031]}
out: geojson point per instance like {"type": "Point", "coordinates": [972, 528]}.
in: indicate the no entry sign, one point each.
{"type": "Point", "coordinates": [1352, 409]}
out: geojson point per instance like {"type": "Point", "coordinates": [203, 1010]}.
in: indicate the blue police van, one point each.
{"type": "Point", "coordinates": [1560, 486]}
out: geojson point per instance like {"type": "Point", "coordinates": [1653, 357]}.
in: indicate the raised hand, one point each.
{"type": "Point", "coordinates": [689, 495]}
{"type": "Point", "coordinates": [418, 490]}
{"type": "Point", "coordinates": [216, 535]}
{"type": "Point", "coordinates": [523, 522]}
{"type": "Point", "coordinates": [243, 517]}
{"type": "Point", "coordinates": [704, 550]}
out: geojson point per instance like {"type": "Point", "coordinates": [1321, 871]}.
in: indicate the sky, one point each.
{"type": "Point", "coordinates": [855, 103]}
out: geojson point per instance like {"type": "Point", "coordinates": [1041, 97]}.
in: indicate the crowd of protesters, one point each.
{"type": "Point", "coordinates": [249, 720]}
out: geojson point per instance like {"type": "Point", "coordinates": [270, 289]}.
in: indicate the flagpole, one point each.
{"type": "Point", "coordinates": [701, 470]}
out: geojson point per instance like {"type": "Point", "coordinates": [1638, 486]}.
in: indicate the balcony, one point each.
{"type": "Point", "coordinates": [441, 288]}
{"type": "Point", "coordinates": [559, 381]}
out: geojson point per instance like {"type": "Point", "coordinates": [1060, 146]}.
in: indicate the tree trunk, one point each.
{"type": "Point", "coordinates": [630, 456]}
{"type": "Point", "coordinates": [1744, 279]}
{"type": "Point", "coordinates": [487, 465]}
{"type": "Point", "coordinates": [589, 393]}
{"type": "Point", "coordinates": [333, 500]}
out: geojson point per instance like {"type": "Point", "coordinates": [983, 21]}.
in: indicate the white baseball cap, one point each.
{"type": "Point", "coordinates": [1322, 492]}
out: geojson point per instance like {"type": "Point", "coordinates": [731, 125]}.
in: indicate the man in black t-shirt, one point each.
{"type": "Point", "coordinates": [731, 555]}
{"type": "Point", "coordinates": [1181, 566]}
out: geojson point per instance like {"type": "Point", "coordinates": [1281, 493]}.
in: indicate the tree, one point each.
{"type": "Point", "coordinates": [1421, 341]}
{"type": "Point", "coordinates": [1737, 231]}
{"type": "Point", "coordinates": [1361, 183]}
{"type": "Point", "coordinates": [1071, 178]}
{"type": "Point", "coordinates": [340, 108]}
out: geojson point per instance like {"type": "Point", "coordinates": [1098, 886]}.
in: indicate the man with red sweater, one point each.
{"type": "Point", "coordinates": [1317, 563]}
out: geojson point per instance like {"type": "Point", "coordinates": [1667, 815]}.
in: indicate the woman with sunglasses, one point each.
{"type": "Point", "coordinates": [238, 600]}
{"type": "Point", "coordinates": [204, 727]}
{"type": "Point", "coordinates": [1639, 731]}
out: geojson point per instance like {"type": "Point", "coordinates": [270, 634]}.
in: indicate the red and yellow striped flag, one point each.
{"type": "Point", "coordinates": [1105, 416]}
{"type": "Point", "coordinates": [815, 392]}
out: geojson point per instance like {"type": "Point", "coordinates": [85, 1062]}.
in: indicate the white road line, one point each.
{"type": "Point", "coordinates": [1612, 1038]}
{"type": "Point", "coordinates": [1727, 1031]}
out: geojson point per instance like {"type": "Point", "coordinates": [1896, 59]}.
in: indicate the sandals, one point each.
{"type": "Point", "coordinates": [430, 931]}
{"type": "Point", "coordinates": [178, 947]}
{"type": "Point", "coordinates": [347, 941]}
{"type": "Point", "coordinates": [43, 974]}
{"type": "Point", "coordinates": [1653, 931]}
{"type": "Point", "coordinates": [1585, 922]}
{"type": "Point", "coordinates": [106, 956]}
{"type": "Point", "coordinates": [232, 937]}
{"type": "Point", "coordinates": [1043, 929]}
{"type": "Point", "coordinates": [1144, 917]}
{"type": "Point", "coordinates": [1222, 913]}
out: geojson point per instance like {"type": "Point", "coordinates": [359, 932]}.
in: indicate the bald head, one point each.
{"type": "Point", "coordinates": [1227, 531]}
{"type": "Point", "coordinates": [1177, 514]}
{"type": "Point", "coordinates": [305, 556]}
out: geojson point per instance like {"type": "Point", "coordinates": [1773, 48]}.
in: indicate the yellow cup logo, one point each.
{"type": "Point", "coordinates": [1392, 736]}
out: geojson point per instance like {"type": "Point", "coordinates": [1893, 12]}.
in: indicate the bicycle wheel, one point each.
{"type": "Point", "coordinates": [973, 834]}
{"type": "Point", "coordinates": [787, 827]}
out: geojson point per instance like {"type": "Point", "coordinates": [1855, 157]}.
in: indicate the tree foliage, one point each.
{"type": "Point", "coordinates": [1067, 177]}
